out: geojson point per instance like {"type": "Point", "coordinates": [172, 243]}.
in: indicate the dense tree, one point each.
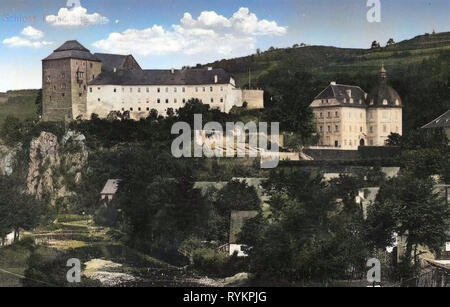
{"type": "Point", "coordinates": [18, 210]}
{"type": "Point", "coordinates": [408, 206]}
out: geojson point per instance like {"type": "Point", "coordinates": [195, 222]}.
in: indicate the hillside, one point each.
{"type": "Point", "coordinates": [20, 104]}
{"type": "Point", "coordinates": [326, 61]}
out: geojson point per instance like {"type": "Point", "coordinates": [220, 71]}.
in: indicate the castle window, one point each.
{"type": "Point", "coordinates": [123, 109]}
{"type": "Point", "coordinates": [212, 100]}
{"type": "Point", "coordinates": [384, 128]}
{"type": "Point", "coordinates": [147, 89]}
{"type": "Point", "coordinates": [360, 129]}
{"type": "Point", "coordinates": [204, 89]}
{"type": "Point", "coordinates": [93, 77]}
{"type": "Point", "coordinates": [371, 129]}
{"type": "Point", "coordinates": [329, 114]}
{"type": "Point", "coordinates": [167, 89]}
{"type": "Point", "coordinates": [159, 90]}
{"type": "Point", "coordinates": [90, 89]}
{"type": "Point", "coordinates": [159, 100]}
{"type": "Point", "coordinates": [62, 94]}
{"type": "Point", "coordinates": [48, 79]}
{"type": "Point", "coordinates": [63, 75]}
{"type": "Point", "coordinates": [329, 128]}
{"type": "Point", "coordinates": [184, 100]}
{"type": "Point", "coordinates": [115, 90]}
{"type": "Point", "coordinates": [174, 89]}
{"type": "Point", "coordinates": [139, 109]}
{"type": "Point", "coordinates": [321, 115]}
{"type": "Point", "coordinates": [211, 88]}
{"type": "Point", "coordinates": [123, 89]}
{"type": "Point", "coordinates": [337, 128]}
{"type": "Point", "coordinates": [131, 109]}
{"type": "Point", "coordinates": [196, 89]}
{"type": "Point", "coordinates": [167, 100]}
{"type": "Point", "coordinates": [221, 99]}
{"type": "Point", "coordinates": [131, 90]}
{"type": "Point", "coordinates": [184, 90]}
{"type": "Point", "coordinates": [90, 65]}
{"type": "Point", "coordinates": [98, 99]}
{"type": "Point", "coordinates": [148, 109]}
{"type": "Point", "coordinates": [139, 89]}
{"type": "Point", "coordinates": [175, 100]}
{"type": "Point", "coordinates": [337, 114]}
{"type": "Point", "coordinates": [321, 128]}
{"type": "Point", "coordinates": [148, 101]}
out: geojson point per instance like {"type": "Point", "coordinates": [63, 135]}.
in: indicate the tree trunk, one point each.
{"type": "Point", "coordinates": [16, 235]}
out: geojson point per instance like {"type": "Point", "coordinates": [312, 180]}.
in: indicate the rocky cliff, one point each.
{"type": "Point", "coordinates": [55, 166]}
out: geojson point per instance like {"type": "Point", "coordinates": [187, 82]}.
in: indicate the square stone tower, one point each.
{"type": "Point", "coordinates": [65, 75]}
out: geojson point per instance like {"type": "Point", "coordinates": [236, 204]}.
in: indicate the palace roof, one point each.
{"type": "Point", "coordinates": [72, 50]}
{"type": "Point", "coordinates": [163, 77]}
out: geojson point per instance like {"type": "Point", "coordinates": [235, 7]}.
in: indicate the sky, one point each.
{"type": "Point", "coordinates": [164, 34]}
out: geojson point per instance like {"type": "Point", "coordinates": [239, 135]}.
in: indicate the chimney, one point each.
{"type": "Point", "coordinates": [333, 83]}
{"type": "Point", "coordinates": [216, 78]}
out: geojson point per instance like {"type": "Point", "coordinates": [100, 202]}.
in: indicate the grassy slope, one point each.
{"type": "Point", "coordinates": [324, 61]}
{"type": "Point", "coordinates": [20, 104]}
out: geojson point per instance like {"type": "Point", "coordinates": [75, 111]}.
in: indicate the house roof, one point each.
{"type": "Point", "coordinates": [342, 93]}
{"type": "Point", "coordinates": [72, 50]}
{"type": "Point", "coordinates": [72, 45]}
{"type": "Point", "coordinates": [163, 77]}
{"type": "Point", "coordinates": [111, 186]}
{"type": "Point", "coordinates": [111, 61]}
{"type": "Point", "coordinates": [442, 121]}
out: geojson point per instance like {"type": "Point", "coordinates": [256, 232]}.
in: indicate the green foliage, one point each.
{"type": "Point", "coordinates": [407, 205]}
{"type": "Point", "coordinates": [19, 210]}
{"type": "Point", "coordinates": [11, 130]}
{"type": "Point", "coordinates": [217, 264]}
{"type": "Point", "coordinates": [308, 236]}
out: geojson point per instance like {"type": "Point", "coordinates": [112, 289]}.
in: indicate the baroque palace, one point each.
{"type": "Point", "coordinates": [77, 84]}
{"type": "Point", "coordinates": [347, 117]}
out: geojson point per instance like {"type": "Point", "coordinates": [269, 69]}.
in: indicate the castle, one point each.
{"type": "Point", "coordinates": [77, 84]}
{"type": "Point", "coordinates": [346, 117]}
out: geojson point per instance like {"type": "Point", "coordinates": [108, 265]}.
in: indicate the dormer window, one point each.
{"type": "Point", "coordinates": [385, 102]}
{"type": "Point", "coordinates": [397, 102]}
{"type": "Point", "coordinates": [371, 102]}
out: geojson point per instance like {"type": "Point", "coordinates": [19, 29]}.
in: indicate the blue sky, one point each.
{"type": "Point", "coordinates": [161, 35]}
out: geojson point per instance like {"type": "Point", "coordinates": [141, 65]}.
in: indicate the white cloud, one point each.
{"type": "Point", "coordinates": [75, 17]}
{"type": "Point", "coordinates": [206, 37]}
{"type": "Point", "coordinates": [32, 33]}
{"type": "Point", "coordinates": [18, 42]}
{"type": "Point", "coordinates": [31, 39]}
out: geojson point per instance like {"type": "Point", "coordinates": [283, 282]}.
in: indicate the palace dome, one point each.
{"type": "Point", "coordinates": [383, 95]}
